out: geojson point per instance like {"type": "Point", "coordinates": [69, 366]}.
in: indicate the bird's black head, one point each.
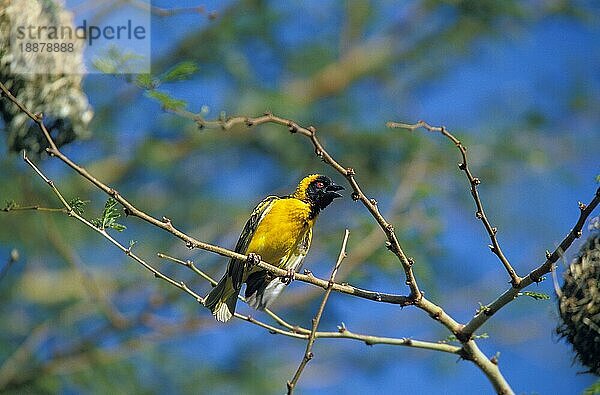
{"type": "Point", "coordinates": [321, 191]}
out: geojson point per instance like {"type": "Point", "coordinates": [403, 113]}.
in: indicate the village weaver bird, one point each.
{"type": "Point", "coordinates": [279, 232]}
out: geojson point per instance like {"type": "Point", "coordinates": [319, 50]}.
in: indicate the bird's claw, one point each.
{"type": "Point", "coordinates": [253, 259]}
{"type": "Point", "coordinates": [288, 277]}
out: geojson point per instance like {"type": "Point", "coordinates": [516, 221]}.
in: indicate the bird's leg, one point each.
{"type": "Point", "coordinates": [252, 260]}
{"type": "Point", "coordinates": [289, 276]}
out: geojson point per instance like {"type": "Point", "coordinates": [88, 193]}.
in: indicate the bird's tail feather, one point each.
{"type": "Point", "coordinates": [222, 300]}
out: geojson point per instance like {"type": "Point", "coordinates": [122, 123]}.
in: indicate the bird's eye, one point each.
{"type": "Point", "coordinates": [320, 184]}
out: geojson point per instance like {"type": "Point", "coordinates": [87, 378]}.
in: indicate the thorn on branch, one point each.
{"type": "Point", "coordinates": [249, 122]}
{"type": "Point", "coordinates": [462, 166]}
{"type": "Point", "coordinates": [189, 245]}
{"type": "Point", "coordinates": [479, 215]}
{"type": "Point", "coordinates": [494, 230]}
{"type": "Point", "coordinates": [476, 181]}
{"type": "Point", "coordinates": [495, 358]}
{"type": "Point", "coordinates": [312, 130]}
{"type": "Point", "coordinates": [350, 171]}
{"type": "Point", "coordinates": [436, 316]}
{"type": "Point", "coordinates": [292, 127]}
{"type": "Point", "coordinates": [268, 114]}
{"type": "Point", "coordinates": [342, 327]}
{"type": "Point", "coordinates": [411, 261]}
{"type": "Point", "coordinates": [355, 196]}
{"type": "Point", "coordinates": [373, 202]}
{"type": "Point", "coordinates": [548, 254]}
{"type": "Point", "coordinates": [537, 279]}
{"type": "Point", "coordinates": [581, 205]}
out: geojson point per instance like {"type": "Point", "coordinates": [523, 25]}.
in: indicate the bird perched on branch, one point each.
{"type": "Point", "coordinates": [279, 232]}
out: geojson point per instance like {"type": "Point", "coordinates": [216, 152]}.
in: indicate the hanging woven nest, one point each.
{"type": "Point", "coordinates": [50, 83]}
{"type": "Point", "coordinates": [579, 304]}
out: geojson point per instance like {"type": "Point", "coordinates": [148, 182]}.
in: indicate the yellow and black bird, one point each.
{"type": "Point", "coordinates": [279, 231]}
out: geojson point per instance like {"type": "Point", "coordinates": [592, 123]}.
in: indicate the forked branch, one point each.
{"type": "Point", "coordinates": [473, 182]}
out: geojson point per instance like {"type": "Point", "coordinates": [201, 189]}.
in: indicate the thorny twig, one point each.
{"type": "Point", "coordinates": [535, 275]}
{"type": "Point", "coordinates": [342, 333]}
{"type": "Point", "coordinates": [308, 354]}
{"type": "Point", "coordinates": [473, 182]}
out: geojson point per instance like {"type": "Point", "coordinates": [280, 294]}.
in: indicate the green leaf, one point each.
{"type": "Point", "coordinates": [147, 81]}
{"type": "Point", "coordinates": [481, 308]}
{"type": "Point", "coordinates": [165, 100]}
{"type": "Point", "coordinates": [452, 338]}
{"type": "Point", "coordinates": [78, 205]}
{"type": "Point", "coordinates": [109, 217]}
{"type": "Point", "coordinates": [593, 389]}
{"type": "Point", "coordinates": [116, 61]}
{"type": "Point", "coordinates": [180, 71]}
{"type": "Point", "coordinates": [535, 295]}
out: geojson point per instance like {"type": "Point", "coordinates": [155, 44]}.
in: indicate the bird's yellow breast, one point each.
{"type": "Point", "coordinates": [281, 230]}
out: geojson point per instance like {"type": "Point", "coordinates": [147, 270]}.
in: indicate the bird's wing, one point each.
{"type": "Point", "coordinates": [296, 258]}
{"type": "Point", "coordinates": [235, 269]}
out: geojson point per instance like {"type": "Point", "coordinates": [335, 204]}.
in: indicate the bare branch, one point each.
{"type": "Point", "coordinates": [535, 275]}
{"type": "Point", "coordinates": [473, 182]}
{"type": "Point", "coordinates": [10, 208]}
{"type": "Point", "coordinates": [488, 366]}
{"type": "Point", "coordinates": [308, 354]}
{"type": "Point", "coordinates": [37, 118]}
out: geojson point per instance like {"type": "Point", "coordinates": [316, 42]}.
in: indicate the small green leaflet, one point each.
{"type": "Point", "coordinates": [78, 205]}
{"type": "Point", "coordinates": [452, 338]}
{"type": "Point", "coordinates": [535, 295]}
{"type": "Point", "coordinates": [181, 71]}
{"type": "Point", "coordinates": [165, 100]}
{"type": "Point", "coordinates": [109, 217]}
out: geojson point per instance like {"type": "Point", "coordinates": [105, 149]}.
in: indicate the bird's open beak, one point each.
{"type": "Point", "coordinates": [332, 190]}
